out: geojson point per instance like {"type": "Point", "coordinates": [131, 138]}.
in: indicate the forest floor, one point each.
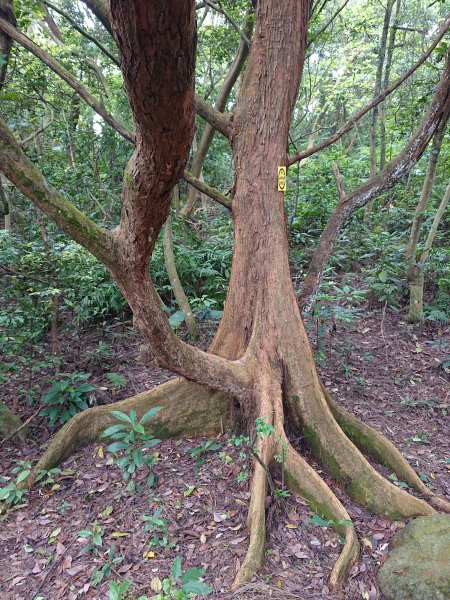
{"type": "Point", "coordinates": [392, 375]}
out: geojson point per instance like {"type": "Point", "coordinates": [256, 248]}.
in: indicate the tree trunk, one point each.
{"type": "Point", "coordinates": [387, 74]}
{"type": "Point", "coordinates": [6, 209]}
{"type": "Point", "coordinates": [177, 288]}
{"type": "Point", "coordinates": [415, 271]}
{"type": "Point", "coordinates": [377, 90]}
{"type": "Point", "coordinates": [260, 364]}
{"type": "Point", "coordinates": [208, 133]}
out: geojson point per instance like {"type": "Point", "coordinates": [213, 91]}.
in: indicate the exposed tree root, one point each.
{"type": "Point", "coordinates": [256, 523]}
{"type": "Point", "coordinates": [375, 444]}
{"type": "Point", "coordinates": [304, 480]}
{"type": "Point", "coordinates": [188, 409]}
{"type": "Point", "coordinates": [266, 388]}
{"type": "Point", "coordinates": [334, 449]}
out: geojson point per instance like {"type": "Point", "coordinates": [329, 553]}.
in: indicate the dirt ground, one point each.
{"type": "Point", "coordinates": [391, 374]}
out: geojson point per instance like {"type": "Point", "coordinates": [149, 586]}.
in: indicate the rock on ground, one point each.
{"type": "Point", "coordinates": [9, 422]}
{"type": "Point", "coordinates": [418, 565]}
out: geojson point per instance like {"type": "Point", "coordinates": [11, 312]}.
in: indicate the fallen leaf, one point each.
{"type": "Point", "coordinates": [149, 554]}
{"type": "Point", "coordinates": [54, 534]}
{"type": "Point", "coordinates": [156, 584]}
{"type": "Point", "coordinates": [119, 534]}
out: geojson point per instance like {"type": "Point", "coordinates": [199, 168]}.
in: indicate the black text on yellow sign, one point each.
{"type": "Point", "coordinates": [282, 179]}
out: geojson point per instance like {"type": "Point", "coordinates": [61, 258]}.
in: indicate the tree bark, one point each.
{"type": "Point", "coordinates": [260, 361]}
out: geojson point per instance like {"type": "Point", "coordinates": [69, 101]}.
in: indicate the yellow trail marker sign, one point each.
{"type": "Point", "coordinates": [282, 179]}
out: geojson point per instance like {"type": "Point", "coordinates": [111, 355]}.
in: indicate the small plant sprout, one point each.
{"type": "Point", "coordinates": [323, 522]}
{"type": "Point", "coordinates": [105, 571]}
{"type": "Point", "coordinates": [13, 493]}
{"type": "Point", "coordinates": [201, 452]}
{"type": "Point", "coordinates": [66, 398]}
{"type": "Point", "coordinates": [156, 525]}
{"type": "Point", "coordinates": [131, 440]}
{"type": "Point", "coordinates": [94, 537]}
{"type": "Point", "coordinates": [181, 585]}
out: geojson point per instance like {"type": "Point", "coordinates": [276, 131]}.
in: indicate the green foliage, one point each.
{"type": "Point", "coordinates": [156, 525]}
{"type": "Point", "coordinates": [201, 452]}
{"type": "Point", "coordinates": [181, 585]}
{"type": "Point", "coordinates": [11, 494]}
{"type": "Point", "coordinates": [117, 380]}
{"type": "Point", "coordinates": [322, 522]}
{"type": "Point", "coordinates": [67, 397]}
{"type": "Point", "coordinates": [94, 537]}
{"type": "Point", "coordinates": [105, 570]}
{"type": "Point", "coordinates": [131, 440]}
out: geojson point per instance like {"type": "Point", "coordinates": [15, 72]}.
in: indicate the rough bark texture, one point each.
{"type": "Point", "coordinates": [260, 362]}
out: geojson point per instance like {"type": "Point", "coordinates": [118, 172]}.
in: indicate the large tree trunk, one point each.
{"type": "Point", "coordinates": [260, 360]}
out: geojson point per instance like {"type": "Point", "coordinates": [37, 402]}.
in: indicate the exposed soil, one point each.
{"type": "Point", "coordinates": [390, 374]}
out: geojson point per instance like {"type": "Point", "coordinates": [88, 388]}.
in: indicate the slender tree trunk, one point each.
{"type": "Point", "coordinates": [377, 91]}
{"type": "Point", "coordinates": [5, 204]}
{"type": "Point", "coordinates": [415, 272]}
{"type": "Point", "coordinates": [7, 13]}
{"type": "Point", "coordinates": [177, 288]}
{"type": "Point", "coordinates": [387, 74]}
{"type": "Point", "coordinates": [208, 133]}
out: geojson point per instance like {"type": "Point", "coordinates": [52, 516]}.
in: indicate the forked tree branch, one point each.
{"type": "Point", "coordinates": [357, 116]}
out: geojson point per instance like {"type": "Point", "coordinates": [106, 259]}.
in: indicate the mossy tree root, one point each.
{"type": "Point", "coordinates": [303, 479]}
{"type": "Point", "coordinates": [187, 409]}
{"type": "Point", "coordinates": [336, 451]}
{"type": "Point", "coordinates": [266, 389]}
{"type": "Point", "coordinates": [375, 444]}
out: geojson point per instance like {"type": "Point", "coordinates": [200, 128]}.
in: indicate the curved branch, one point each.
{"type": "Point", "coordinates": [219, 8]}
{"type": "Point", "coordinates": [218, 120]}
{"type": "Point", "coordinates": [19, 169]}
{"type": "Point", "coordinates": [357, 116]}
{"type": "Point", "coordinates": [397, 168]}
{"type": "Point", "coordinates": [327, 24]}
{"type": "Point", "coordinates": [84, 33]}
{"type": "Point", "coordinates": [101, 10]}
{"type": "Point", "coordinates": [62, 72]}
{"type": "Point", "coordinates": [201, 186]}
